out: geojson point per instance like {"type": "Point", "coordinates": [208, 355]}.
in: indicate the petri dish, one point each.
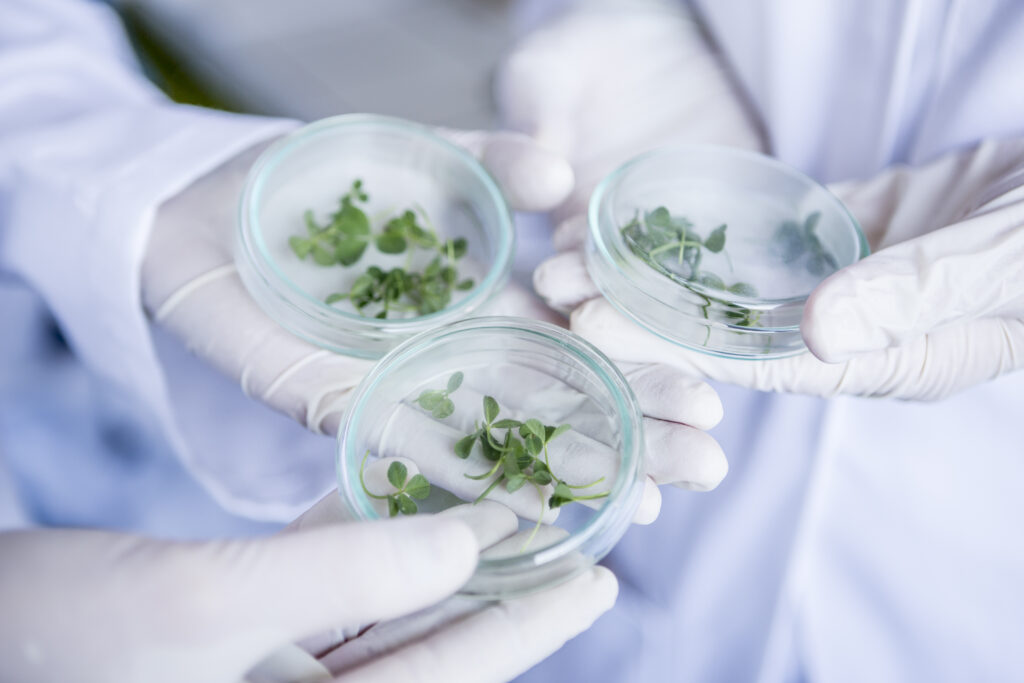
{"type": "Point", "coordinates": [717, 249]}
{"type": "Point", "coordinates": [308, 239]}
{"type": "Point", "coordinates": [534, 532]}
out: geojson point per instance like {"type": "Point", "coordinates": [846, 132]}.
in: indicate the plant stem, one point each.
{"type": "Point", "coordinates": [681, 244]}
{"type": "Point", "coordinates": [363, 483]}
{"type": "Point", "coordinates": [485, 474]}
{"type": "Point", "coordinates": [585, 486]}
{"type": "Point", "coordinates": [592, 497]}
{"type": "Point", "coordinates": [540, 518]}
{"type": "Point", "coordinates": [490, 488]}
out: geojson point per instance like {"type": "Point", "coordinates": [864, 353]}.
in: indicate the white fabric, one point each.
{"type": "Point", "coordinates": [88, 149]}
{"type": "Point", "coordinates": [854, 539]}
{"type": "Point", "coordinates": [846, 89]}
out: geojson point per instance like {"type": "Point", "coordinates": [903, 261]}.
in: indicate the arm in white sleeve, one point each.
{"type": "Point", "coordinates": [90, 156]}
{"type": "Point", "coordinates": [88, 150]}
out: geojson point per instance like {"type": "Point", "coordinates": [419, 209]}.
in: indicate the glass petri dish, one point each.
{"type": "Point", "coordinates": [401, 167]}
{"type": "Point", "coordinates": [533, 370]}
{"type": "Point", "coordinates": [657, 248]}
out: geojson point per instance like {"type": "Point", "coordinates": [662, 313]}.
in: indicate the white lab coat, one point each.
{"type": "Point", "coordinates": [88, 151]}
{"type": "Point", "coordinates": [853, 539]}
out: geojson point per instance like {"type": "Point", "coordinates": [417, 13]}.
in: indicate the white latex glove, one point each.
{"type": "Point", "coordinates": [466, 639]}
{"type": "Point", "coordinates": [191, 287]}
{"type": "Point", "coordinates": [610, 80]}
{"type": "Point", "coordinates": [938, 308]}
{"type": "Point", "coordinates": [99, 606]}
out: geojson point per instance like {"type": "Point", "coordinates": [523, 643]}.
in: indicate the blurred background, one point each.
{"type": "Point", "coordinates": [429, 61]}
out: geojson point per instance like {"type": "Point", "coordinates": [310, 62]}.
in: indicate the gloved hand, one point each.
{"type": "Point", "coordinates": [938, 308]}
{"type": "Point", "coordinates": [463, 638]}
{"type": "Point", "coordinates": [610, 80]}
{"type": "Point", "coordinates": [99, 606]}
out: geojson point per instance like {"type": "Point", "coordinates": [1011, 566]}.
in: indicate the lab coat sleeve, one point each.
{"type": "Point", "coordinates": [88, 150]}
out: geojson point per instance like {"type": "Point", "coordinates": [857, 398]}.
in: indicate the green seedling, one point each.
{"type": "Point", "coordinates": [343, 239]}
{"type": "Point", "coordinates": [437, 401]}
{"type": "Point", "coordinates": [348, 233]}
{"type": "Point", "coordinates": [520, 457]}
{"type": "Point", "coordinates": [661, 239]}
{"type": "Point", "coordinates": [517, 449]}
{"type": "Point", "coordinates": [793, 241]}
{"type": "Point", "coordinates": [406, 488]}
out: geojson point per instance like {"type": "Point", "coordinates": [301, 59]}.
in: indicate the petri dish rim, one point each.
{"type": "Point", "coordinates": [609, 182]}
{"type": "Point", "coordinates": [629, 478]}
{"type": "Point", "coordinates": [252, 234]}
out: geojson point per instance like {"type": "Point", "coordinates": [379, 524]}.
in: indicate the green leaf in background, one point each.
{"type": "Point", "coordinates": [716, 240]}
{"type": "Point", "coordinates": [323, 256]}
{"type": "Point", "coordinates": [711, 280]}
{"type": "Point", "coordinates": [348, 252]}
{"type": "Point", "coordinates": [430, 399]}
{"type": "Point", "coordinates": [455, 381]}
{"type": "Point", "coordinates": [390, 244]}
{"type": "Point", "coordinates": [743, 289]}
{"type": "Point", "coordinates": [300, 246]}
{"type": "Point", "coordinates": [334, 298]}
{"type": "Point", "coordinates": [444, 409]}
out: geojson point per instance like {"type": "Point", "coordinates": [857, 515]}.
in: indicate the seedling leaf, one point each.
{"type": "Point", "coordinates": [558, 431]}
{"type": "Point", "coordinates": [300, 246]}
{"type": "Point", "coordinates": [444, 409]}
{"type": "Point", "coordinates": [716, 240]}
{"type": "Point", "coordinates": [454, 382]}
{"type": "Point", "coordinates": [491, 409]}
{"type": "Point", "coordinates": [397, 473]}
{"type": "Point", "coordinates": [389, 243]}
{"type": "Point", "coordinates": [430, 400]}
{"type": "Point", "coordinates": [534, 426]}
{"type": "Point", "coordinates": [418, 487]}
{"type": "Point", "coordinates": [323, 257]}
{"type": "Point", "coordinates": [515, 482]}
{"type": "Point", "coordinates": [406, 505]}
{"type": "Point", "coordinates": [464, 446]}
